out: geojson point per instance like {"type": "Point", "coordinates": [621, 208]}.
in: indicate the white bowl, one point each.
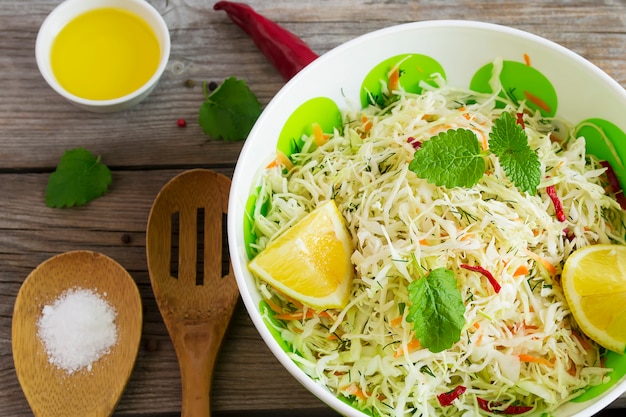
{"type": "Point", "coordinates": [69, 10]}
{"type": "Point", "coordinates": [461, 47]}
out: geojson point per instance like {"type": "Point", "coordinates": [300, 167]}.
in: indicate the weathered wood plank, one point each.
{"type": "Point", "coordinates": [29, 237]}
{"type": "Point", "coordinates": [37, 125]}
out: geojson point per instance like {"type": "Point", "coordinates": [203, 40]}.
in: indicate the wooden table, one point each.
{"type": "Point", "coordinates": [144, 147]}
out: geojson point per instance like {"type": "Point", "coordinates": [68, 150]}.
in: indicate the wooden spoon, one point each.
{"type": "Point", "coordinates": [198, 300]}
{"type": "Point", "coordinates": [52, 391]}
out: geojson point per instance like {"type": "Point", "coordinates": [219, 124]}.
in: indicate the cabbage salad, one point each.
{"type": "Point", "coordinates": [519, 350]}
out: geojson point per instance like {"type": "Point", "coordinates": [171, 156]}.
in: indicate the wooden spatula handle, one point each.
{"type": "Point", "coordinates": [198, 346]}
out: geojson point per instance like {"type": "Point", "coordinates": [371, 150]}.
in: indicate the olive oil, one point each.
{"type": "Point", "coordinates": [105, 54]}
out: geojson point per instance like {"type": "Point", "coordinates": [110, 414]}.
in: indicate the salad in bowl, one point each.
{"type": "Point", "coordinates": [428, 220]}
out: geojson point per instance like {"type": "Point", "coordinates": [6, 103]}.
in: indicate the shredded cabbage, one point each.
{"type": "Point", "coordinates": [363, 352]}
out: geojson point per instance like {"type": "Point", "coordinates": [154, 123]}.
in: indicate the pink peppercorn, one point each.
{"type": "Point", "coordinates": [181, 123]}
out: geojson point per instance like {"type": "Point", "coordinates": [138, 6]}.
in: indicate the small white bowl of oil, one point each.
{"type": "Point", "coordinates": [103, 55]}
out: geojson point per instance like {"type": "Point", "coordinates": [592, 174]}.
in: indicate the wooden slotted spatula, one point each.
{"type": "Point", "coordinates": [195, 295]}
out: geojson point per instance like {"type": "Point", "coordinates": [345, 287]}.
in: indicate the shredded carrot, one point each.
{"type": "Point", "coordinates": [275, 307]}
{"type": "Point", "coordinates": [410, 347]}
{"type": "Point", "coordinates": [484, 141]}
{"type": "Point", "coordinates": [396, 322]}
{"type": "Point", "coordinates": [537, 101]}
{"type": "Point", "coordinates": [356, 391]}
{"type": "Point", "coordinates": [424, 242]}
{"type": "Point", "coordinates": [281, 160]}
{"type": "Point", "coordinates": [466, 237]}
{"type": "Point", "coordinates": [543, 261]}
{"type": "Point", "coordinates": [319, 136]}
{"type": "Point", "coordinates": [394, 79]}
{"type": "Point", "coordinates": [299, 315]}
{"type": "Point", "coordinates": [479, 339]}
{"type": "Point", "coordinates": [438, 129]}
{"type": "Point", "coordinates": [521, 270]}
{"type": "Point", "coordinates": [572, 369]}
{"type": "Point", "coordinates": [297, 304]}
{"type": "Point", "coordinates": [527, 59]}
{"type": "Point", "coordinates": [534, 359]}
{"type": "Point", "coordinates": [474, 327]}
{"type": "Point", "coordinates": [463, 110]}
{"type": "Point", "coordinates": [582, 340]}
{"type": "Point", "coordinates": [555, 138]}
{"type": "Point", "coordinates": [367, 124]}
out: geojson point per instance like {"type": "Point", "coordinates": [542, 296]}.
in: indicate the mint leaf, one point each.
{"type": "Point", "coordinates": [79, 178]}
{"type": "Point", "coordinates": [452, 159]}
{"type": "Point", "coordinates": [436, 310]}
{"type": "Point", "coordinates": [509, 143]}
{"type": "Point", "coordinates": [230, 111]}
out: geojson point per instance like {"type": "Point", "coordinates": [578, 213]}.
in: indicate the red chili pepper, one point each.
{"type": "Point", "coordinates": [495, 284]}
{"type": "Point", "coordinates": [414, 142]}
{"type": "Point", "coordinates": [447, 398]}
{"type": "Point", "coordinates": [287, 52]}
{"type": "Point", "coordinates": [616, 187]}
{"type": "Point", "coordinates": [556, 202]}
{"type": "Point", "coordinates": [520, 120]}
{"type": "Point", "coordinates": [511, 409]}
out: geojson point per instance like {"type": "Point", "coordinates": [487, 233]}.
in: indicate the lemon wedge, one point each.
{"type": "Point", "coordinates": [310, 262]}
{"type": "Point", "coordinates": [594, 283]}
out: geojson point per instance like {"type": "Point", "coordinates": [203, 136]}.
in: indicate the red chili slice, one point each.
{"type": "Point", "coordinates": [616, 187]}
{"type": "Point", "coordinates": [511, 409]}
{"type": "Point", "coordinates": [447, 398]}
{"type": "Point", "coordinates": [495, 284]}
{"type": "Point", "coordinates": [414, 142]}
{"type": "Point", "coordinates": [520, 120]}
{"type": "Point", "coordinates": [556, 202]}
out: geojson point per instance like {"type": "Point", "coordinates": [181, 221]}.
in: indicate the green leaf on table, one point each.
{"type": "Point", "coordinates": [436, 310]}
{"type": "Point", "coordinates": [79, 178]}
{"type": "Point", "coordinates": [509, 143]}
{"type": "Point", "coordinates": [230, 111]}
{"type": "Point", "coordinates": [452, 159]}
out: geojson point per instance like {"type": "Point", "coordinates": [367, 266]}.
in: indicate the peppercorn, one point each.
{"type": "Point", "coordinates": [181, 123]}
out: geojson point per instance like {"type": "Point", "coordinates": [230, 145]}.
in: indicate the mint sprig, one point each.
{"type": "Point", "coordinates": [436, 310]}
{"type": "Point", "coordinates": [451, 159]}
{"type": "Point", "coordinates": [509, 143]}
{"type": "Point", "coordinates": [454, 159]}
{"type": "Point", "coordinates": [230, 111]}
{"type": "Point", "coordinates": [79, 178]}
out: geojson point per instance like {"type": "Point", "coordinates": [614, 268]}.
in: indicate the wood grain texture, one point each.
{"type": "Point", "coordinates": [196, 305]}
{"type": "Point", "coordinates": [145, 149]}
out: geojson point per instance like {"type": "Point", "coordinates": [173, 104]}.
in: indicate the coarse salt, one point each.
{"type": "Point", "coordinates": [77, 329]}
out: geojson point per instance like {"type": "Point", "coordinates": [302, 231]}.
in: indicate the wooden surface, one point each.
{"type": "Point", "coordinates": [145, 148]}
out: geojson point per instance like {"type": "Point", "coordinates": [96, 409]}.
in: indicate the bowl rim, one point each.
{"type": "Point", "coordinates": [237, 206]}
{"type": "Point", "coordinates": [55, 21]}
